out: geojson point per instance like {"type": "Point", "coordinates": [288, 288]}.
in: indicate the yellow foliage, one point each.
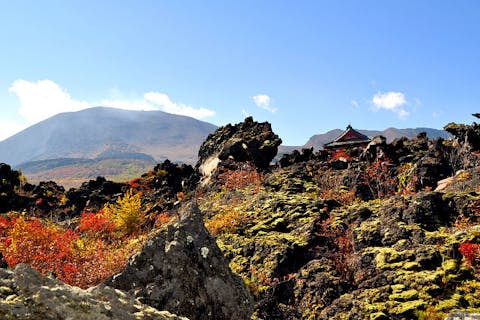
{"type": "Point", "coordinates": [226, 222]}
{"type": "Point", "coordinates": [127, 212]}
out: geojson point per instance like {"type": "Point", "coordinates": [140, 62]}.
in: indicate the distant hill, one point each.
{"type": "Point", "coordinates": [105, 133]}
{"type": "Point", "coordinates": [317, 141]}
{"type": "Point", "coordinates": [71, 172]}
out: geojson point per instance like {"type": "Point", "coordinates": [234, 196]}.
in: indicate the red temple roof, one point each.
{"type": "Point", "coordinates": [349, 138]}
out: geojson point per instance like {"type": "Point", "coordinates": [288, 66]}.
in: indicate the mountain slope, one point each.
{"type": "Point", "coordinates": [317, 141]}
{"type": "Point", "coordinates": [73, 172]}
{"type": "Point", "coordinates": [105, 133]}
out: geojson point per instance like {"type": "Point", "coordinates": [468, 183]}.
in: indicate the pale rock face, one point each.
{"type": "Point", "coordinates": [26, 294]}
{"type": "Point", "coordinates": [208, 167]}
{"type": "Point", "coordinates": [459, 315]}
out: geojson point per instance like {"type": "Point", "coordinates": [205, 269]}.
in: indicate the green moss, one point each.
{"type": "Point", "coordinates": [449, 304]}
{"type": "Point", "coordinates": [396, 288]}
{"type": "Point", "coordinates": [374, 307]}
{"type": "Point", "coordinates": [407, 295]}
{"type": "Point", "coordinates": [411, 265]}
{"type": "Point", "coordinates": [367, 229]}
{"type": "Point", "coordinates": [408, 307]}
{"type": "Point", "coordinates": [239, 264]}
{"type": "Point", "coordinates": [391, 259]}
{"type": "Point", "coordinates": [450, 266]}
{"type": "Point", "coordinates": [419, 279]}
{"type": "Point", "coordinates": [469, 290]}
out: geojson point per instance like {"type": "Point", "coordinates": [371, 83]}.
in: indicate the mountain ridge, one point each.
{"type": "Point", "coordinates": [317, 141]}
{"type": "Point", "coordinates": [98, 131]}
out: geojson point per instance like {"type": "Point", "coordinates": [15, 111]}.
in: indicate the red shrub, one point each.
{"type": "Point", "coordinates": [339, 241]}
{"type": "Point", "coordinates": [47, 249]}
{"type": "Point", "coordinates": [380, 178]}
{"type": "Point", "coordinates": [135, 183]}
{"type": "Point", "coordinates": [162, 219]}
{"type": "Point", "coordinates": [341, 155]}
{"type": "Point", "coordinates": [78, 261]}
{"type": "Point", "coordinates": [241, 178]}
{"type": "Point", "coordinates": [96, 223]}
{"type": "Point", "coordinates": [470, 251]}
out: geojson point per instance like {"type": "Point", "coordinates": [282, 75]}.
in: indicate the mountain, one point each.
{"type": "Point", "coordinates": [317, 141]}
{"type": "Point", "coordinates": [100, 133]}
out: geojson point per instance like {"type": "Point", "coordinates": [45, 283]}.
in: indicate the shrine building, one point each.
{"type": "Point", "coordinates": [350, 138]}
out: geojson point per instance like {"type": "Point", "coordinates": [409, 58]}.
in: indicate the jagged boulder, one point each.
{"type": "Point", "coordinates": [27, 295]}
{"type": "Point", "coordinates": [182, 270]}
{"type": "Point", "coordinates": [468, 135]}
{"type": "Point", "coordinates": [178, 176]}
{"type": "Point", "coordinates": [375, 149]}
{"type": "Point", "coordinates": [163, 185]}
{"type": "Point", "coordinates": [169, 178]}
{"type": "Point", "coordinates": [248, 141]}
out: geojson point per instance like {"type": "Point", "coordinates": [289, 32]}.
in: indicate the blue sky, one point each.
{"type": "Point", "coordinates": [305, 66]}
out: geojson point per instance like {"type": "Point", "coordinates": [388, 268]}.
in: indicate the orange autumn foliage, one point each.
{"type": "Point", "coordinates": [96, 223]}
{"type": "Point", "coordinates": [241, 178]}
{"type": "Point", "coordinates": [227, 222]}
{"type": "Point", "coordinates": [68, 255]}
{"type": "Point", "coordinates": [46, 249]}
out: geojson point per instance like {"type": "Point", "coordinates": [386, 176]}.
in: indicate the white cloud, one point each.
{"type": "Point", "coordinates": [389, 101]}
{"type": "Point", "coordinates": [163, 100]}
{"type": "Point", "coordinates": [245, 113]}
{"type": "Point", "coordinates": [392, 101]}
{"type": "Point", "coordinates": [263, 101]}
{"type": "Point", "coordinates": [43, 99]}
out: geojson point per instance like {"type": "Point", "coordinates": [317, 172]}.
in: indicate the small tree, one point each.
{"type": "Point", "coordinates": [379, 178]}
{"type": "Point", "coordinates": [127, 212]}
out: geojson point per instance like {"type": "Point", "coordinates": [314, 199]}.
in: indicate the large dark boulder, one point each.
{"type": "Point", "coordinates": [248, 141]}
{"type": "Point", "coordinates": [182, 270]}
{"type": "Point", "coordinates": [170, 178]}
{"type": "Point", "coordinates": [465, 134]}
{"type": "Point", "coordinates": [429, 211]}
{"type": "Point", "coordinates": [376, 149]}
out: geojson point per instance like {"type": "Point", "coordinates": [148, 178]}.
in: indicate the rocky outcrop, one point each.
{"type": "Point", "coordinates": [302, 156]}
{"type": "Point", "coordinates": [183, 271]}
{"type": "Point", "coordinates": [165, 184]}
{"type": "Point", "coordinates": [93, 194]}
{"type": "Point", "coordinates": [27, 295]}
{"type": "Point", "coordinates": [375, 149]}
{"type": "Point", "coordinates": [307, 257]}
{"type": "Point", "coordinates": [246, 141]}
{"type": "Point", "coordinates": [10, 182]}
{"type": "Point", "coordinates": [465, 134]}
{"type": "Point", "coordinates": [170, 178]}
